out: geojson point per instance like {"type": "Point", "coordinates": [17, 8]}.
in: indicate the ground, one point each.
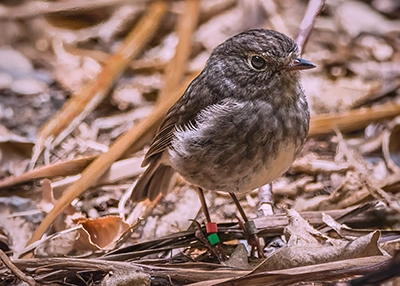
{"type": "Point", "coordinates": [84, 86]}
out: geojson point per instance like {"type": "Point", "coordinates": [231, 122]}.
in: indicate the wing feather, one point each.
{"type": "Point", "coordinates": [196, 97]}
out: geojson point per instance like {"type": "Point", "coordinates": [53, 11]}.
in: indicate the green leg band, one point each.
{"type": "Point", "coordinates": [213, 238]}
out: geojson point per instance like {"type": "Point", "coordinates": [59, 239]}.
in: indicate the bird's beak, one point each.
{"type": "Point", "coordinates": [300, 64]}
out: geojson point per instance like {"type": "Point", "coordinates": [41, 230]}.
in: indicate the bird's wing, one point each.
{"type": "Point", "coordinates": [185, 110]}
{"type": "Point", "coordinates": [162, 139]}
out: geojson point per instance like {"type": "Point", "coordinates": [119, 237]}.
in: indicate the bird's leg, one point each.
{"type": "Point", "coordinates": [249, 228]}
{"type": "Point", "coordinates": [211, 228]}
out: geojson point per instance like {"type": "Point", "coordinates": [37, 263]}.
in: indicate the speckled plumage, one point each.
{"type": "Point", "coordinates": [235, 128]}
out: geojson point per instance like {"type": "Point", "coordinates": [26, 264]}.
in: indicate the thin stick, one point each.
{"type": "Point", "coordinates": [21, 275]}
{"type": "Point", "coordinates": [176, 68]}
{"type": "Point", "coordinates": [313, 9]}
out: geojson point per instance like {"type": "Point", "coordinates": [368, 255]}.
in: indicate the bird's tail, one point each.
{"type": "Point", "coordinates": [157, 178]}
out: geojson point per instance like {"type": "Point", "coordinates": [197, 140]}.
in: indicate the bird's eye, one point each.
{"type": "Point", "coordinates": [258, 63]}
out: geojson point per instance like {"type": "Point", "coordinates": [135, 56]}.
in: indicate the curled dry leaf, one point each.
{"type": "Point", "coordinates": [90, 235]}
{"type": "Point", "coordinates": [307, 246]}
{"type": "Point", "coordinates": [103, 233]}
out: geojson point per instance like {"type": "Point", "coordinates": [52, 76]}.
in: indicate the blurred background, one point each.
{"type": "Point", "coordinates": [76, 75]}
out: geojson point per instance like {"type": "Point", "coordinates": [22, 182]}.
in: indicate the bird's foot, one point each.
{"type": "Point", "coordinates": [250, 231]}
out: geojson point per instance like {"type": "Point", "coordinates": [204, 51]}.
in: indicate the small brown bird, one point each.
{"type": "Point", "coordinates": [239, 125]}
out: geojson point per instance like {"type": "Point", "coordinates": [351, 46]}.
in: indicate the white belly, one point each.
{"type": "Point", "coordinates": [271, 170]}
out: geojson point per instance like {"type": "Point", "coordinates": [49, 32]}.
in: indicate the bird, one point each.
{"type": "Point", "coordinates": [239, 125]}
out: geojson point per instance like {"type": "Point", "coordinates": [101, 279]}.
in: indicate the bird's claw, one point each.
{"type": "Point", "coordinates": [250, 231]}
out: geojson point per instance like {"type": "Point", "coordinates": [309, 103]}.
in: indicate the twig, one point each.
{"type": "Point", "coordinates": [352, 120]}
{"type": "Point", "coordinates": [185, 26]}
{"type": "Point", "coordinates": [21, 275]}
{"type": "Point", "coordinates": [313, 9]}
{"type": "Point", "coordinates": [67, 168]}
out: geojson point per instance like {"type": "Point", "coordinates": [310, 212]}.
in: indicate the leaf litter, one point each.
{"type": "Point", "coordinates": [332, 219]}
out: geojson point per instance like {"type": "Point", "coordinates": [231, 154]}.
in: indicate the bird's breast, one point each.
{"type": "Point", "coordinates": [237, 146]}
